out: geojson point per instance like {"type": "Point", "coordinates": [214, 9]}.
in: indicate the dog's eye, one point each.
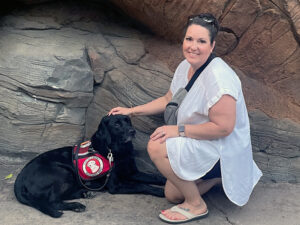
{"type": "Point", "coordinates": [117, 124]}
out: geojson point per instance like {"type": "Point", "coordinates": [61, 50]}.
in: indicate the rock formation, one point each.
{"type": "Point", "coordinates": [261, 38]}
{"type": "Point", "coordinates": [64, 65]}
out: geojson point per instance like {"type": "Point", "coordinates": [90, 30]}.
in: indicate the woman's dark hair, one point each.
{"type": "Point", "coordinates": [206, 20]}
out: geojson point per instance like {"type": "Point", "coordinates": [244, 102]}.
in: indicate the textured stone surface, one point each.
{"type": "Point", "coordinates": [46, 83]}
{"type": "Point", "coordinates": [129, 85]}
{"type": "Point", "coordinates": [276, 147]}
{"type": "Point", "coordinates": [51, 71]}
{"type": "Point", "coordinates": [261, 39]}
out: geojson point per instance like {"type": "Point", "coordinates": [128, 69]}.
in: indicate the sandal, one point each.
{"type": "Point", "coordinates": [189, 216]}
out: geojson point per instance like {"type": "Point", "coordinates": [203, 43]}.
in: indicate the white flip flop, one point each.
{"type": "Point", "coordinates": [189, 216]}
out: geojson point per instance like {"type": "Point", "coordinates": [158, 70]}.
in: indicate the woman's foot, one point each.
{"type": "Point", "coordinates": [184, 207]}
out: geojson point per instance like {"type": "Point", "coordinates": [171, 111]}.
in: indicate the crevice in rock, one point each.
{"type": "Point", "coordinates": [228, 6]}
{"type": "Point", "coordinates": [154, 71]}
{"type": "Point", "coordinates": [106, 37]}
{"type": "Point", "coordinates": [105, 75]}
{"type": "Point", "coordinates": [237, 40]}
{"type": "Point", "coordinates": [38, 29]}
{"type": "Point", "coordinates": [279, 79]}
{"type": "Point", "coordinates": [278, 7]}
{"type": "Point", "coordinates": [120, 56]}
{"type": "Point", "coordinates": [8, 115]}
{"type": "Point", "coordinates": [45, 124]}
{"type": "Point", "coordinates": [293, 28]}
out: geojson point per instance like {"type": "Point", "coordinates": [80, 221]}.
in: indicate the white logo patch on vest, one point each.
{"type": "Point", "coordinates": [92, 166]}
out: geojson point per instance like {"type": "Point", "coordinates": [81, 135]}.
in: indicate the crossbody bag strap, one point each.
{"type": "Point", "coordinates": [198, 72]}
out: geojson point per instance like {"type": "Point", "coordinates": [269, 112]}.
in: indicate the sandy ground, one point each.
{"type": "Point", "coordinates": [270, 204]}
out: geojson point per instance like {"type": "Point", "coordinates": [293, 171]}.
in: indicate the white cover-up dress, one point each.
{"type": "Point", "coordinates": [190, 158]}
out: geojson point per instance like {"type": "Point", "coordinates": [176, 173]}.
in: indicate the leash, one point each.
{"type": "Point", "coordinates": [78, 178]}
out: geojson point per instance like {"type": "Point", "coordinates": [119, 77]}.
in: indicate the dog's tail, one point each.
{"type": "Point", "coordinates": [25, 197]}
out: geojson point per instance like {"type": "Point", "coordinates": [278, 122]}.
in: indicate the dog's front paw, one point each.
{"type": "Point", "coordinates": [89, 194]}
{"type": "Point", "coordinates": [55, 214]}
{"type": "Point", "coordinates": [78, 207]}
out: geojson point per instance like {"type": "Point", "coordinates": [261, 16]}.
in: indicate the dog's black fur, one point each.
{"type": "Point", "coordinates": [50, 179]}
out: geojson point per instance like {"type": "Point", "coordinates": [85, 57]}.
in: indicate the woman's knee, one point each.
{"type": "Point", "coordinates": [153, 149]}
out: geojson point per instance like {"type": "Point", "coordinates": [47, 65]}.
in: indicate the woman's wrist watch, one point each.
{"type": "Point", "coordinates": [181, 130]}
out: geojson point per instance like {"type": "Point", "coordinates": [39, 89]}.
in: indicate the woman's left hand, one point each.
{"type": "Point", "coordinates": [164, 132]}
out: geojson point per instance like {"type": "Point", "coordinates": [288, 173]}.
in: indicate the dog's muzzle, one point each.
{"type": "Point", "coordinates": [131, 135]}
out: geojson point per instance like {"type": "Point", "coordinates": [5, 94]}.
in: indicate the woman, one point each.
{"type": "Point", "coordinates": [212, 130]}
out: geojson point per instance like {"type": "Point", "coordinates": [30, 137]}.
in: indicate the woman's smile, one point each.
{"type": "Point", "coordinates": [193, 54]}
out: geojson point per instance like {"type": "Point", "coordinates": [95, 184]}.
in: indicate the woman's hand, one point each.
{"type": "Point", "coordinates": [164, 132]}
{"type": "Point", "coordinates": [120, 110]}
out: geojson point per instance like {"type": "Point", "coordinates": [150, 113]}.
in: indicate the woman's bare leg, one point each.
{"type": "Point", "coordinates": [205, 185]}
{"type": "Point", "coordinates": [193, 201]}
{"type": "Point", "coordinates": [173, 195]}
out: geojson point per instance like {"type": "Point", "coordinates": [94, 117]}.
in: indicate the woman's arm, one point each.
{"type": "Point", "coordinates": [222, 118]}
{"type": "Point", "coordinates": [222, 121]}
{"type": "Point", "coordinates": [154, 107]}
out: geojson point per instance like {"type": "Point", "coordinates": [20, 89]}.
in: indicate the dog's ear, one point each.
{"type": "Point", "coordinates": [101, 137]}
{"type": "Point", "coordinates": [102, 132]}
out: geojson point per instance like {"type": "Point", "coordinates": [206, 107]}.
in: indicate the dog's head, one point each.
{"type": "Point", "coordinates": [115, 129]}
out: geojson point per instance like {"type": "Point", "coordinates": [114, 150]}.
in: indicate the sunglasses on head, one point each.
{"type": "Point", "coordinates": [202, 17]}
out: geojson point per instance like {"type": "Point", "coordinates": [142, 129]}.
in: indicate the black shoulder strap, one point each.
{"type": "Point", "coordinates": [198, 71]}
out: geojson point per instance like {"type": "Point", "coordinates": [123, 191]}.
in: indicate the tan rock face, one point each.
{"type": "Point", "coordinates": [167, 18]}
{"type": "Point", "coordinates": [261, 41]}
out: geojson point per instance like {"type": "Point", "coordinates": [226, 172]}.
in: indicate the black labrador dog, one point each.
{"type": "Point", "coordinates": [50, 178]}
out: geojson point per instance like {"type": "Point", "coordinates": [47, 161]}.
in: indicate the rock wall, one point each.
{"type": "Point", "coordinates": [59, 76]}
{"type": "Point", "coordinates": [65, 65]}
{"type": "Point", "coordinates": [46, 83]}
{"type": "Point", "coordinates": [260, 37]}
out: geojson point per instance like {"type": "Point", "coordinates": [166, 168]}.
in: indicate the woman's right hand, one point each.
{"type": "Point", "coordinates": [120, 110]}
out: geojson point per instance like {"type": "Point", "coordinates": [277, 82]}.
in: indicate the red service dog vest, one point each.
{"type": "Point", "coordinates": [91, 165]}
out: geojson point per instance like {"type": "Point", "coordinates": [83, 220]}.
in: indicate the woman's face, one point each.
{"type": "Point", "coordinates": [196, 45]}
